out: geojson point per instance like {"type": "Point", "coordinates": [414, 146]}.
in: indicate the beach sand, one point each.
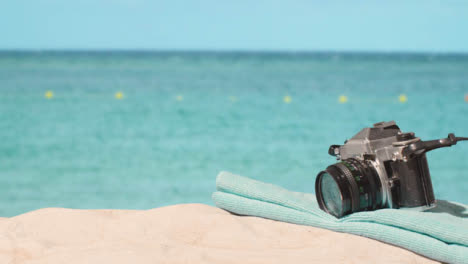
{"type": "Point", "coordinates": [186, 233]}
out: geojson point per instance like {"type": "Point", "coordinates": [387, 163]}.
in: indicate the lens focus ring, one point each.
{"type": "Point", "coordinates": [352, 184]}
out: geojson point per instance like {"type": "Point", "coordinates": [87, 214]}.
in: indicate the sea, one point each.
{"type": "Point", "coordinates": [144, 129]}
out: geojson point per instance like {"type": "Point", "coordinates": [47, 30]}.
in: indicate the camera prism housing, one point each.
{"type": "Point", "coordinates": [380, 167]}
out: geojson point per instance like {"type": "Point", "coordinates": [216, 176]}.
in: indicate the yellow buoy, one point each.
{"type": "Point", "coordinates": [49, 94]}
{"type": "Point", "coordinates": [287, 99]}
{"type": "Point", "coordinates": [342, 99]}
{"type": "Point", "coordinates": [119, 95]}
{"type": "Point", "coordinates": [233, 99]}
{"type": "Point", "coordinates": [179, 98]}
{"type": "Point", "coordinates": [402, 98]}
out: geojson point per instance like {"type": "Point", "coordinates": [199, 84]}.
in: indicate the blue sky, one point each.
{"type": "Point", "coordinates": [434, 26]}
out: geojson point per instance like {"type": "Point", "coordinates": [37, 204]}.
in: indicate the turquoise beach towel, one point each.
{"type": "Point", "coordinates": [440, 233]}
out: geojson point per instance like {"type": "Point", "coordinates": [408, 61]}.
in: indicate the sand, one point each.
{"type": "Point", "coordinates": [187, 233]}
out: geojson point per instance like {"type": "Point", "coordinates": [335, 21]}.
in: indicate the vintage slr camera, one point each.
{"type": "Point", "coordinates": [380, 167]}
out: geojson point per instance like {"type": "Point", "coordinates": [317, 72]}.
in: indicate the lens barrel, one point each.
{"type": "Point", "coordinates": [348, 186]}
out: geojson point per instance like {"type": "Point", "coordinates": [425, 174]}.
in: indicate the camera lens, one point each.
{"type": "Point", "coordinates": [332, 197]}
{"type": "Point", "coordinates": [348, 186]}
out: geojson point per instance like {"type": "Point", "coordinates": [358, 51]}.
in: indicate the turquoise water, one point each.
{"type": "Point", "coordinates": [184, 117]}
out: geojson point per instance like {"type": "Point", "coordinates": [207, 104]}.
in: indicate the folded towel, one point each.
{"type": "Point", "coordinates": [440, 233]}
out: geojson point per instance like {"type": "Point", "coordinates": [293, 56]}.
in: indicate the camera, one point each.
{"type": "Point", "coordinates": [380, 167]}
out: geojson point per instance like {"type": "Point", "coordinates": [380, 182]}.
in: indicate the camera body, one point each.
{"type": "Point", "coordinates": [405, 179]}
{"type": "Point", "coordinates": [380, 167]}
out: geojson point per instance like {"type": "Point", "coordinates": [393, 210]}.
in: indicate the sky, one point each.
{"type": "Point", "coordinates": [293, 25]}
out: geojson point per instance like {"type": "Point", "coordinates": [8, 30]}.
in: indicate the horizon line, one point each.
{"type": "Point", "coordinates": [238, 51]}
